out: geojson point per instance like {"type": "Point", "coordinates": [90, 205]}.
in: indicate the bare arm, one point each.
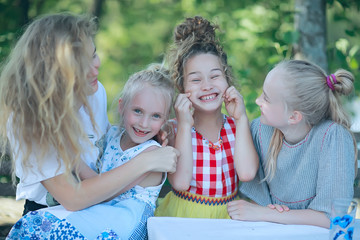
{"type": "Point", "coordinates": [246, 211]}
{"type": "Point", "coordinates": [180, 180]}
{"type": "Point", "coordinates": [102, 187]}
{"type": "Point", "coordinates": [85, 171]}
{"type": "Point", "coordinates": [245, 156]}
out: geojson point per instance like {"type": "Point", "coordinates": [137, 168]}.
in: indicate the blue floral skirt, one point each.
{"type": "Point", "coordinates": [124, 220]}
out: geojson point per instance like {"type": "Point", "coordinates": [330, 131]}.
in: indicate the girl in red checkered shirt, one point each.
{"type": "Point", "coordinates": [216, 150]}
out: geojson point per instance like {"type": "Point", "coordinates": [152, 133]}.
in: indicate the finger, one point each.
{"type": "Point", "coordinates": [180, 98]}
{"type": "Point", "coordinates": [286, 208]}
{"type": "Point", "coordinates": [279, 208]}
{"type": "Point", "coordinates": [165, 142]}
{"type": "Point", "coordinates": [183, 103]}
{"type": "Point", "coordinates": [271, 206]}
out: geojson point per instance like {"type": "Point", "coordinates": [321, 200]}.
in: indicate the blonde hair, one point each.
{"type": "Point", "coordinates": [310, 94]}
{"type": "Point", "coordinates": [193, 37]}
{"type": "Point", "coordinates": [43, 79]}
{"type": "Point", "coordinates": [155, 76]}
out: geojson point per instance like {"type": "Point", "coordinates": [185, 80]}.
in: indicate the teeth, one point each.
{"type": "Point", "coordinates": [137, 130]}
{"type": "Point", "coordinates": [208, 97]}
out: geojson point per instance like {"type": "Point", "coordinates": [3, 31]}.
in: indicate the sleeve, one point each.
{"type": "Point", "coordinates": [257, 190]}
{"type": "Point", "coordinates": [30, 186]}
{"type": "Point", "coordinates": [336, 169]}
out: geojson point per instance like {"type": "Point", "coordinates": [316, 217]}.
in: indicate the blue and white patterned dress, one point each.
{"type": "Point", "coordinates": [124, 217]}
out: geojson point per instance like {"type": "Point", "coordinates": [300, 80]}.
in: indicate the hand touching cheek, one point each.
{"type": "Point", "coordinates": [234, 103]}
{"type": "Point", "coordinates": [183, 110]}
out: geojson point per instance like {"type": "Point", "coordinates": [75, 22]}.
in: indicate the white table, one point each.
{"type": "Point", "coordinates": [170, 228]}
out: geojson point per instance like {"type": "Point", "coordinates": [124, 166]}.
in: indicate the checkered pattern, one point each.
{"type": "Point", "coordinates": [214, 172]}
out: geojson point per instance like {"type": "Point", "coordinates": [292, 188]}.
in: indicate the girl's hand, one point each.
{"type": "Point", "coordinates": [162, 138]}
{"type": "Point", "coordinates": [234, 103]}
{"type": "Point", "coordinates": [245, 211]}
{"type": "Point", "coordinates": [279, 208]}
{"type": "Point", "coordinates": [163, 159]}
{"type": "Point", "coordinates": [183, 110]}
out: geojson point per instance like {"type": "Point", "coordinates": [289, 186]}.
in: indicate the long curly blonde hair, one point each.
{"type": "Point", "coordinates": [41, 83]}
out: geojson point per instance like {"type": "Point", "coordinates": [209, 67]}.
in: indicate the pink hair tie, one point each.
{"type": "Point", "coordinates": [331, 83]}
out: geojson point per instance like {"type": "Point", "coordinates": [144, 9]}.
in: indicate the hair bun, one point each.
{"type": "Point", "coordinates": [197, 28]}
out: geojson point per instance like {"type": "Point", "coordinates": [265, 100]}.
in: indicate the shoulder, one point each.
{"type": "Point", "coordinates": [101, 93]}
{"type": "Point", "coordinates": [142, 147]}
{"type": "Point", "coordinates": [98, 100]}
{"type": "Point", "coordinates": [150, 144]}
{"type": "Point", "coordinates": [330, 131]}
{"type": "Point", "coordinates": [255, 123]}
{"type": "Point", "coordinates": [229, 120]}
{"type": "Point", "coordinates": [113, 132]}
{"type": "Point", "coordinates": [257, 128]}
{"type": "Point", "coordinates": [329, 128]}
{"type": "Point", "coordinates": [229, 125]}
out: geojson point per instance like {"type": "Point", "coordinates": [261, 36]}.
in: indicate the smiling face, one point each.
{"type": "Point", "coordinates": [271, 101]}
{"type": "Point", "coordinates": [143, 117]}
{"type": "Point", "coordinates": [205, 80]}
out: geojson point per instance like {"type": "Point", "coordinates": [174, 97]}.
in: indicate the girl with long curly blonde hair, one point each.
{"type": "Point", "coordinates": [54, 116]}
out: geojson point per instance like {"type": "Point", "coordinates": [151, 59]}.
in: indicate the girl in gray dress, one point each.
{"type": "Point", "coordinates": [305, 148]}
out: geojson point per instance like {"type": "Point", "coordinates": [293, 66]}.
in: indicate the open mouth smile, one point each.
{"type": "Point", "coordinates": [208, 97]}
{"type": "Point", "coordinates": [140, 133]}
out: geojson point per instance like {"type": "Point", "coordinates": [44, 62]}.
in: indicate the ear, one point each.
{"type": "Point", "coordinates": [120, 105]}
{"type": "Point", "coordinates": [295, 118]}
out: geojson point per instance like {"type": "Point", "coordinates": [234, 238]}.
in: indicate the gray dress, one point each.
{"type": "Point", "coordinates": [308, 174]}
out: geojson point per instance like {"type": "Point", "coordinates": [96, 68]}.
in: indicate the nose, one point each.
{"type": "Point", "coordinates": [206, 84]}
{"type": "Point", "coordinates": [258, 100]}
{"type": "Point", "coordinates": [95, 66]}
{"type": "Point", "coordinates": [144, 122]}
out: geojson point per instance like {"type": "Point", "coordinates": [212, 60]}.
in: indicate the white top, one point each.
{"type": "Point", "coordinates": [30, 186]}
{"type": "Point", "coordinates": [114, 156]}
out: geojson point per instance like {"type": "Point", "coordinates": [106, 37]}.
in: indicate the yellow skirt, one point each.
{"type": "Point", "coordinates": [189, 205]}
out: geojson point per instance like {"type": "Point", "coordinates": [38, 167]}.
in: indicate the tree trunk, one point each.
{"type": "Point", "coordinates": [96, 8]}
{"type": "Point", "coordinates": [310, 22]}
{"type": "Point", "coordinates": [24, 12]}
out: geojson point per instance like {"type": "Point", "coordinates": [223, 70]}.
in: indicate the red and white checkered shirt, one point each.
{"type": "Point", "coordinates": [214, 173]}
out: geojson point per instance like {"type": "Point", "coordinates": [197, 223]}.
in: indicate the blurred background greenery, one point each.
{"type": "Point", "coordinates": [256, 35]}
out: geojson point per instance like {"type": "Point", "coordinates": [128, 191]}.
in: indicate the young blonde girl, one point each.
{"type": "Point", "coordinates": [144, 108]}
{"type": "Point", "coordinates": [306, 150]}
{"type": "Point", "coordinates": [54, 111]}
{"type": "Point", "coordinates": [215, 149]}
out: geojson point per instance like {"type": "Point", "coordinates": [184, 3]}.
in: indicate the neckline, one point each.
{"type": "Point", "coordinates": [302, 141]}
{"type": "Point", "coordinates": [218, 144]}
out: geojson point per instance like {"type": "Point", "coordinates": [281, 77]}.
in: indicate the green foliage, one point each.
{"type": "Point", "coordinates": [256, 34]}
{"type": "Point", "coordinates": [343, 38]}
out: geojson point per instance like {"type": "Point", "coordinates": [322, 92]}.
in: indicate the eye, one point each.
{"type": "Point", "coordinates": [215, 76]}
{"type": "Point", "coordinates": [137, 111]}
{"type": "Point", "coordinates": [95, 55]}
{"type": "Point", "coordinates": [157, 116]}
{"type": "Point", "coordinates": [265, 98]}
{"type": "Point", "coordinates": [195, 80]}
